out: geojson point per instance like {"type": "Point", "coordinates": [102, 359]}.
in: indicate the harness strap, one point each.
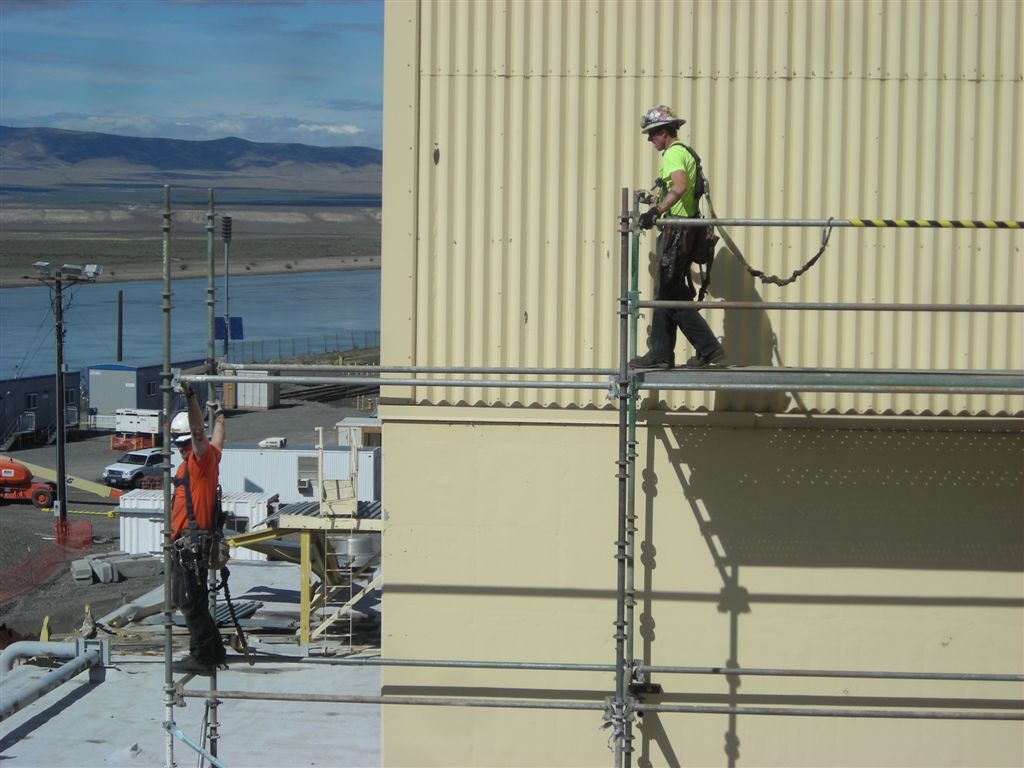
{"type": "Point", "coordinates": [239, 633]}
{"type": "Point", "coordinates": [759, 274]}
{"type": "Point", "coordinates": [193, 527]}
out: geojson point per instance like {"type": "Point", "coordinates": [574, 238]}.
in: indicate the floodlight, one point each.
{"type": "Point", "coordinates": [92, 271]}
{"type": "Point", "coordinates": [72, 270]}
{"type": "Point", "coordinates": [43, 268]}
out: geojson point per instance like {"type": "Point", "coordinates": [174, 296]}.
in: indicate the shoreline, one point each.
{"type": "Point", "coordinates": [134, 271]}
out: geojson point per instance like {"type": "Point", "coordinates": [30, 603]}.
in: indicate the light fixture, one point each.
{"type": "Point", "coordinates": [42, 267]}
{"type": "Point", "coordinates": [92, 271]}
{"type": "Point", "coordinates": [71, 270]}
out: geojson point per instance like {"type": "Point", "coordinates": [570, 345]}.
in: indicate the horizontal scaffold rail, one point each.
{"type": "Point", "coordinates": [418, 369]}
{"type": "Point", "coordinates": [859, 223]}
{"type": "Point", "coordinates": [837, 306]}
{"type": "Point", "coordinates": [767, 379]}
{"type": "Point", "coordinates": [437, 701]}
{"type": "Point", "coordinates": [869, 674]}
{"type": "Point", "coordinates": [764, 379]}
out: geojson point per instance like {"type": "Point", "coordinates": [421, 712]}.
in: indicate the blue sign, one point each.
{"type": "Point", "coordinates": [235, 326]}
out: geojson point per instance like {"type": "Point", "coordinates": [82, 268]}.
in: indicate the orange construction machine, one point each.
{"type": "Point", "coordinates": [17, 483]}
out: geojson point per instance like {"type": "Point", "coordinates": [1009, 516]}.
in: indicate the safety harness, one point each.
{"type": "Point", "coordinates": [696, 244]}
{"type": "Point", "coordinates": [200, 554]}
{"type": "Point", "coordinates": [702, 188]}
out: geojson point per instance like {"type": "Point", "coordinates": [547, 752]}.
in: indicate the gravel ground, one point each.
{"type": "Point", "coordinates": [26, 534]}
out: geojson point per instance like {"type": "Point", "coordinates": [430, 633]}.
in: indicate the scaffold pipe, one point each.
{"type": "Point", "coordinates": [899, 714]}
{"type": "Point", "coordinates": [518, 666]}
{"type": "Point", "coordinates": [436, 701]}
{"type": "Point", "coordinates": [379, 661]}
{"type": "Point", "coordinates": [468, 383]}
{"type": "Point", "coordinates": [420, 369]}
{"type": "Point", "coordinates": [416, 701]}
{"type": "Point", "coordinates": [858, 223]}
{"type": "Point", "coordinates": [834, 306]}
{"type": "Point", "coordinates": [823, 673]}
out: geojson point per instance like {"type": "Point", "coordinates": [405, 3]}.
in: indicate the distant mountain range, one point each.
{"type": "Point", "coordinates": [37, 160]}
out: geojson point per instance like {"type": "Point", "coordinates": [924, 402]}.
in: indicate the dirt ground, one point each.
{"type": "Point", "coordinates": [27, 534]}
{"type": "Point", "coordinates": [128, 241]}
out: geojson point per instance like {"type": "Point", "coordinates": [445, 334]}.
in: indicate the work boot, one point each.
{"type": "Point", "coordinates": [193, 666]}
{"type": "Point", "coordinates": [649, 362]}
{"type": "Point", "coordinates": [716, 359]}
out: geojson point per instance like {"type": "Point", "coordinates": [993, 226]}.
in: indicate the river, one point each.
{"type": "Point", "coordinates": [285, 306]}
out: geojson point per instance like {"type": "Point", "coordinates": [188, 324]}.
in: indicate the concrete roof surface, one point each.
{"type": "Point", "coordinates": [120, 721]}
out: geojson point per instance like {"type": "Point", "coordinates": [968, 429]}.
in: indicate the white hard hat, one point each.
{"type": "Point", "coordinates": [659, 117]}
{"type": "Point", "coordinates": [181, 430]}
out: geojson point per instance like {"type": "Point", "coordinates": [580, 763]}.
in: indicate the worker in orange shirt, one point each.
{"type": "Point", "coordinates": [195, 531]}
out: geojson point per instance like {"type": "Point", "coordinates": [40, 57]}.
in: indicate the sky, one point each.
{"type": "Point", "coordinates": [306, 71]}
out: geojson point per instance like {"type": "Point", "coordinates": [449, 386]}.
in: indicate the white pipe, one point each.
{"type": "Point", "coordinates": [82, 656]}
{"type": "Point", "coordinates": [26, 649]}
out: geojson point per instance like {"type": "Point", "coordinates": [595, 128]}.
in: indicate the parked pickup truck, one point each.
{"type": "Point", "coordinates": [129, 470]}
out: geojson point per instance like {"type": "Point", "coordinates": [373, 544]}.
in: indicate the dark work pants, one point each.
{"type": "Point", "coordinates": [670, 286]}
{"type": "Point", "coordinates": [190, 592]}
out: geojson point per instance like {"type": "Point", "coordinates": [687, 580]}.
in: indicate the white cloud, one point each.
{"type": "Point", "coordinates": [333, 130]}
{"type": "Point", "coordinates": [253, 128]}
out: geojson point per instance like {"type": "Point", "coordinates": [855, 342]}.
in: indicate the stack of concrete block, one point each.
{"type": "Point", "coordinates": [115, 566]}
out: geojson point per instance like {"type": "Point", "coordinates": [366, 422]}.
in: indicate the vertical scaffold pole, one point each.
{"type": "Point", "coordinates": [211, 298]}
{"type": "Point", "coordinates": [632, 298]}
{"type": "Point", "coordinates": [166, 387]}
{"type": "Point", "coordinates": [621, 723]}
{"type": "Point", "coordinates": [634, 322]}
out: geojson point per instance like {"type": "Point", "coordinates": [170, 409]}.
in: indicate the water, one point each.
{"type": "Point", "coordinates": [271, 307]}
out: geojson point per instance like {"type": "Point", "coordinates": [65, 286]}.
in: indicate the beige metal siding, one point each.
{"type": "Point", "coordinates": [510, 252]}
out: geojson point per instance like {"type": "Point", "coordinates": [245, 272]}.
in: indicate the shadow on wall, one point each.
{"type": "Point", "coordinates": [748, 336]}
{"type": "Point", "coordinates": [851, 498]}
{"type": "Point", "coordinates": [855, 498]}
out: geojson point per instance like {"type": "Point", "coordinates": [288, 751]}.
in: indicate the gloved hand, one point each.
{"type": "Point", "coordinates": [215, 409]}
{"type": "Point", "coordinates": [646, 220]}
{"type": "Point", "coordinates": [186, 389]}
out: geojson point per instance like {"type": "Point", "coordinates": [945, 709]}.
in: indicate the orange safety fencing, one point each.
{"type": "Point", "coordinates": [70, 540]}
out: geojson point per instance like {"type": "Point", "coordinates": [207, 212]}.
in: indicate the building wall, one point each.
{"type": "Point", "coordinates": [512, 128]}
{"type": "Point", "coordinates": [15, 399]}
{"type": "Point", "coordinates": [836, 548]}
{"type": "Point", "coordinates": [866, 533]}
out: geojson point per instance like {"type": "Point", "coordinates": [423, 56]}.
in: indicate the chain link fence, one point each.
{"type": "Point", "coordinates": [264, 350]}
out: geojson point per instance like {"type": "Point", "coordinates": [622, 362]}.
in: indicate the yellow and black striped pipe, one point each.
{"type": "Point", "coordinates": [938, 223]}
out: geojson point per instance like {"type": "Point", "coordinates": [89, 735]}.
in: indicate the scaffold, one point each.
{"type": "Point", "coordinates": [632, 677]}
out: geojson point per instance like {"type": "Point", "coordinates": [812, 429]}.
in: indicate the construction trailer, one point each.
{"type": "Point", "coordinates": [293, 472]}
{"type": "Point", "coordinates": [28, 409]}
{"type": "Point", "coordinates": [813, 558]}
{"type": "Point", "coordinates": [125, 385]}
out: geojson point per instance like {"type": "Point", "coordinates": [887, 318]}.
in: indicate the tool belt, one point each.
{"type": "Point", "coordinates": [201, 549]}
{"type": "Point", "coordinates": [685, 247]}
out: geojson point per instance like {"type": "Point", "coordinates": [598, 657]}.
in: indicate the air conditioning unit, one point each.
{"type": "Point", "coordinates": [273, 442]}
{"type": "Point", "coordinates": [305, 483]}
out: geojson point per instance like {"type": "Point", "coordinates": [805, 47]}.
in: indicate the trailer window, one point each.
{"type": "Point", "coordinates": [31, 401]}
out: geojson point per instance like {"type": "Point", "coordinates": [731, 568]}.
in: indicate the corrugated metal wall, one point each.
{"type": "Point", "coordinates": [513, 126]}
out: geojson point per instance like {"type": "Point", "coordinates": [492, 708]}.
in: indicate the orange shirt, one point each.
{"type": "Point", "coordinates": [203, 475]}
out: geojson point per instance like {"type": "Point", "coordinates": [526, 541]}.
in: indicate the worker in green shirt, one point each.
{"type": "Point", "coordinates": [677, 185]}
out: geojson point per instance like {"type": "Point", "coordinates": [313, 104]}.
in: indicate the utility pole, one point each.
{"type": "Point", "coordinates": [69, 274]}
{"type": "Point", "coordinates": [60, 510]}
